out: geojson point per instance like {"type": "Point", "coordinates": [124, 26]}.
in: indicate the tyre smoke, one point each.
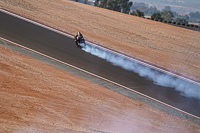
{"type": "Point", "coordinates": [186, 88]}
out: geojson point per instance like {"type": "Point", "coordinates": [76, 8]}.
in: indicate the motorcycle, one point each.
{"type": "Point", "coordinates": [80, 42]}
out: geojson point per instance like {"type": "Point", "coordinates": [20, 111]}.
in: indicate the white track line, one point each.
{"type": "Point", "coordinates": [99, 77]}
{"type": "Point", "coordinates": [58, 31]}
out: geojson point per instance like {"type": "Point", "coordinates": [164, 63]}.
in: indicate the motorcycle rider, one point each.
{"type": "Point", "coordinates": [78, 37]}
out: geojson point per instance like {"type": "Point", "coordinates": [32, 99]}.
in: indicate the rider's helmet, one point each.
{"type": "Point", "coordinates": [79, 34]}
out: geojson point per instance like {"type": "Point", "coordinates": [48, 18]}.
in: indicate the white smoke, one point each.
{"type": "Point", "coordinates": [186, 88]}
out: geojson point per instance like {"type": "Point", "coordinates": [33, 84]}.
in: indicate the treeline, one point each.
{"type": "Point", "coordinates": [115, 5]}
{"type": "Point", "coordinates": [168, 15]}
{"type": "Point", "coordinates": [141, 9]}
{"type": "Point", "coordinates": [123, 6]}
{"type": "Point", "coordinates": [144, 8]}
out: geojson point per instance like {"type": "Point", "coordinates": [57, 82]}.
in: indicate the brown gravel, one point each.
{"type": "Point", "coordinates": [168, 46]}
{"type": "Point", "coordinates": [35, 97]}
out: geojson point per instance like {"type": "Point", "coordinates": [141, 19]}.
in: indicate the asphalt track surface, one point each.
{"type": "Point", "coordinates": [63, 48]}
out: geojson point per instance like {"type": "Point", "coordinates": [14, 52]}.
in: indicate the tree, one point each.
{"type": "Point", "coordinates": [140, 6]}
{"type": "Point", "coordinates": [186, 17]}
{"type": "Point", "coordinates": [125, 6]}
{"type": "Point", "coordinates": [151, 10]}
{"type": "Point", "coordinates": [195, 15]}
{"type": "Point", "coordinates": [139, 13]}
{"type": "Point", "coordinates": [181, 20]}
{"type": "Point", "coordinates": [116, 5]}
{"type": "Point", "coordinates": [103, 4]}
{"type": "Point", "coordinates": [167, 8]}
{"type": "Point", "coordinates": [167, 15]}
{"type": "Point", "coordinates": [85, 2]}
{"type": "Point", "coordinates": [133, 13]}
{"type": "Point", "coordinates": [156, 15]}
{"type": "Point", "coordinates": [144, 8]}
{"type": "Point", "coordinates": [112, 5]}
{"type": "Point", "coordinates": [96, 3]}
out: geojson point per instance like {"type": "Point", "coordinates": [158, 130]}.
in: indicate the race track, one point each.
{"type": "Point", "coordinates": [62, 47]}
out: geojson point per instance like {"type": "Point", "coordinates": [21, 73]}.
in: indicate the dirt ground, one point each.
{"type": "Point", "coordinates": [171, 47]}
{"type": "Point", "coordinates": [35, 97]}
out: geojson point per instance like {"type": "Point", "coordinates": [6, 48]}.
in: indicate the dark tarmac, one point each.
{"type": "Point", "coordinates": [63, 48]}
